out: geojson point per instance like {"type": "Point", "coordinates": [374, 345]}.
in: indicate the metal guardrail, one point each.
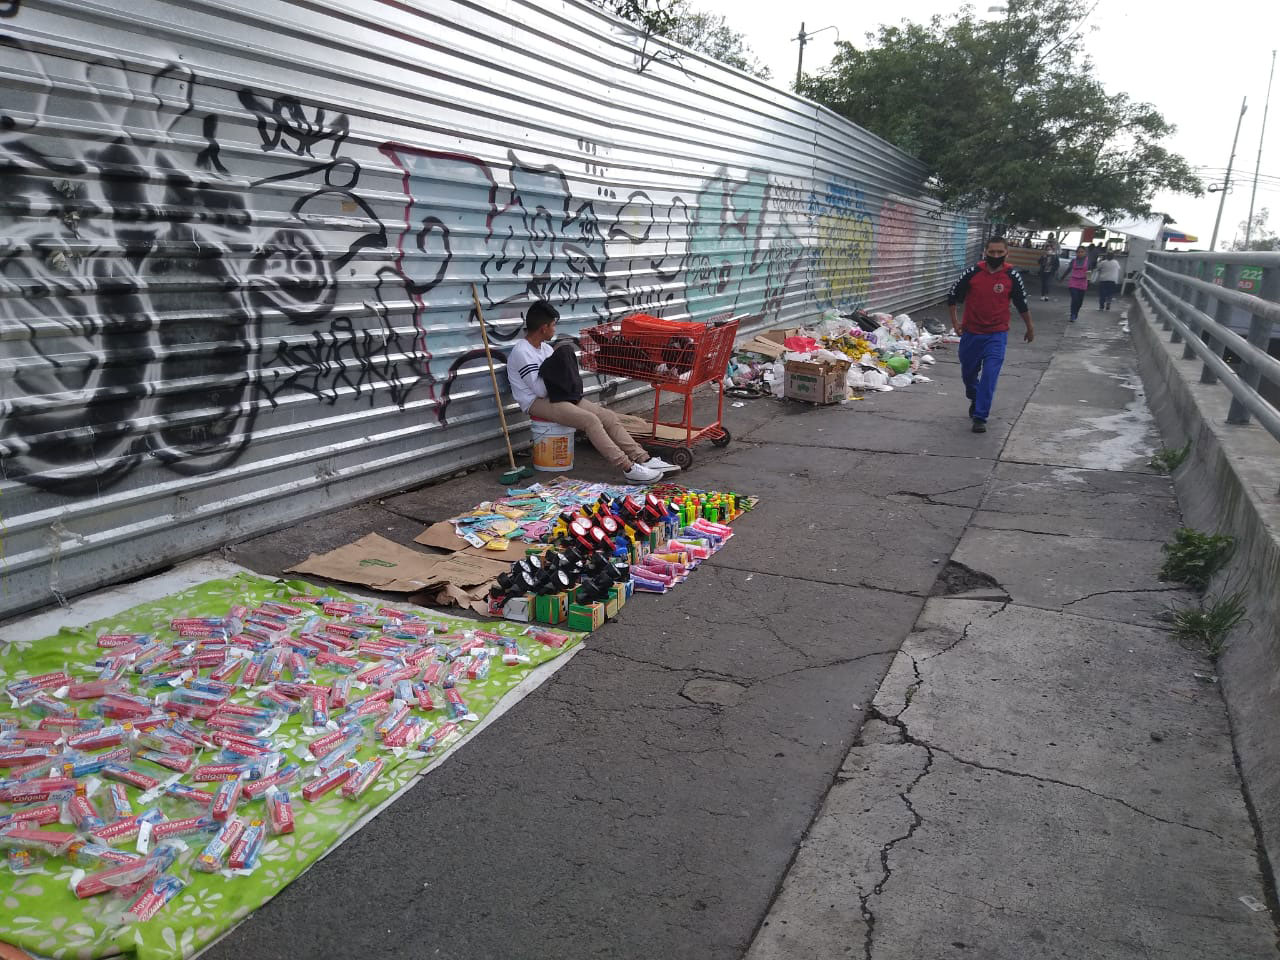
{"type": "Point", "coordinates": [1175, 286]}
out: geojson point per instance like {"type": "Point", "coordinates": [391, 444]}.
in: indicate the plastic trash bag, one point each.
{"type": "Point", "coordinates": [907, 327]}
{"type": "Point", "coordinates": [901, 380]}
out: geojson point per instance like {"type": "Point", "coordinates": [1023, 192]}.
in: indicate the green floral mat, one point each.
{"type": "Point", "coordinates": [39, 912]}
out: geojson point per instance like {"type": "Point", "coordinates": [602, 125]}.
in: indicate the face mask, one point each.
{"type": "Point", "coordinates": [994, 262]}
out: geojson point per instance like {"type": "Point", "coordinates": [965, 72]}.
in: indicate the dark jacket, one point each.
{"type": "Point", "coordinates": [560, 373]}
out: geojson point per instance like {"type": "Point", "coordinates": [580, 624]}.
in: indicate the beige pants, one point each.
{"type": "Point", "coordinates": [602, 426]}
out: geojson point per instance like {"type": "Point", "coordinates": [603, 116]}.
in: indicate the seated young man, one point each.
{"type": "Point", "coordinates": [602, 426]}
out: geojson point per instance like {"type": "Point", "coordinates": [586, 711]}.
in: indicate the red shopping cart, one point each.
{"type": "Point", "coordinates": [675, 358]}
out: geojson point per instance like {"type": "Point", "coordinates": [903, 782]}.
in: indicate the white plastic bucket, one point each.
{"type": "Point", "coordinates": [552, 446]}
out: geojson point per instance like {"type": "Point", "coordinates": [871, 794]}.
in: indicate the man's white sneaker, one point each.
{"type": "Point", "coordinates": [642, 473]}
{"type": "Point", "coordinates": [657, 463]}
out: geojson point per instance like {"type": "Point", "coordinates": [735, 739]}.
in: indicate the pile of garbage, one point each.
{"type": "Point", "coordinates": [885, 352]}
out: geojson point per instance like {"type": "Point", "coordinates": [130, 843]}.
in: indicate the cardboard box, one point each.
{"type": "Point", "coordinates": [621, 592]}
{"type": "Point", "coordinates": [769, 343]}
{"type": "Point", "coordinates": [511, 608]}
{"type": "Point", "coordinates": [551, 609]}
{"type": "Point", "coordinates": [611, 607]}
{"type": "Point", "coordinates": [586, 616]}
{"type": "Point", "coordinates": [818, 383]}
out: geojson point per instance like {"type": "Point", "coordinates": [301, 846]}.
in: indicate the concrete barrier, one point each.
{"type": "Point", "coordinates": [1228, 483]}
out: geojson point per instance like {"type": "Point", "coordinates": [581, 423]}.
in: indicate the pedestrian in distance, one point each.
{"type": "Point", "coordinates": [1048, 267]}
{"type": "Point", "coordinates": [986, 289]}
{"type": "Point", "coordinates": [1078, 272]}
{"type": "Point", "coordinates": [1107, 275]}
{"type": "Point", "coordinates": [602, 426]}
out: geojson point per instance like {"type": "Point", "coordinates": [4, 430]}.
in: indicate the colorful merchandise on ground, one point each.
{"type": "Point", "coordinates": [169, 770]}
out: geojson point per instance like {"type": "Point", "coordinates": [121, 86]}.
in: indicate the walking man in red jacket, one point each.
{"type": "Point", "coordinates": [986, 289]}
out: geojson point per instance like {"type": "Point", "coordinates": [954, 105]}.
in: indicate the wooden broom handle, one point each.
{"type": "Point", "coordinates": [493, 376]}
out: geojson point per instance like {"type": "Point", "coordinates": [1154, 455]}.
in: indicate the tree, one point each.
{"type": "Point", "coordinates": [1006, 115]}
{"type": "Point", "coordinates": [705, 32]}
{"type": "Point", "coordinates": [1260, 238]}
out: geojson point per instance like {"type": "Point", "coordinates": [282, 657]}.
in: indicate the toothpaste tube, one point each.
{"type": "Point", "coordinates": [318, 748]}
{"type": "Point", "coordinates": [123, 706]}
{"type": "Point", "coordinates": [245, 851]}
{"type": "Point", "coordinates": [215, 772]}
{"type": "Point", "coordinates": [166, 743]}
{"type": "Point", "coordinates": [82, 812]}
{"type": "Point", "coordinates": [456, 705]}
{"type": "Point", "coordinates": [20, 758]}
{"type": "Point", "coordinates": [98, 855]}
{"type": "Point", "coordinates": [253, 713]}
{"type": "Point", "coordinates": [423, 696]}
{"type": "Point", "coordinates": [127, 828]}
{"type": "Point", "coordinates": [340, 753]}
{"type": "Point", "coordinates": [512, 653]}
{"type": "Point", "coordinates": [19, 837]}
{"type": "Point", "coordinates": [127, 874]}
{"type": "Point", "coordinates": [121, 805]}
{"type": "Point", "coordinates": [252, 671]}
{"type": "Point", "coordinates": [328, 781]}
{"type": "Point", "coordinates": [29, 685]}
{"type": "Point", "coordinates": [283, 609]}
{"type": "Point", "coordinates": [135, 778]}
{"type": "Point", "coordinates": [163, 889]}
{"type": "Point", "coordinates": [243, 745]}
{"type": "Point", "coordinates": [210, 859]}
{"type": "Point", "coordinates": [214, 690]}
{"type": "Point", "coordinates": [479, 668]}
{"type": "Point", "coordinates": [336, 661]}
{"type": "Point", "coordinates": [279, 812]}
{"type": "Point", "coordinates": [433, 674]}
{"type": "Point", "coordinates": [228, 670]}
{"type": "Point", "coordinates": [362, 777]}
{"type": "Point", "coordinates": [91, 690]}
{"type": "Point", "coordinates": [42, 815]}
{"type": "Point", "coordinates": [399, 710]}
{"type": "Point", "coordinates": [194, 711]}
{"type": "Point", "coordinates": [339, 693]}
{"type": "Point", "coordinates": [182, 828]}
{"type": "Point", "coordinates": [69, 723]}
{"type": "Point", "coordinates": [44, 705]}
{"type": "Point", "coordinates": [285, 776]}
{"type": "Point", "coordinates": [226, 799]}
{"type": "Point", "coordinates": [548, 638]}
{"type": "Point", "coordinates": [123, 639]}
{"type": "Point", "coordinates": [81, 766]}
{"type": "Point", "coordinates": [180, 791]}
{"type": "Point", "coordinates": [319, 709]}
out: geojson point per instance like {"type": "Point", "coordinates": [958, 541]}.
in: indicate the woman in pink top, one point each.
{"type": "Point", "coordinates": [1079, 282]}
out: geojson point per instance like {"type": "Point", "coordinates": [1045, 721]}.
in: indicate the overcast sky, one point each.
{"type": "Point", "coordinates": [1193, 61]}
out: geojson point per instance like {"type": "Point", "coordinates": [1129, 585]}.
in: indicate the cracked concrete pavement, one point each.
{"type": "Point", "coordinates": [1043, 775]}
{"type": "Point", "coordinates": [651, 797]}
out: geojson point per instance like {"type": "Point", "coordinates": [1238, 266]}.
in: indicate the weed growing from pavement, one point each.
{"type": "Point", "coordinates": [1167, 459]}
{"type": "Point", "coordinates": [1194, 557]}
{"type": "Point", "coordinates": [1204, 626]}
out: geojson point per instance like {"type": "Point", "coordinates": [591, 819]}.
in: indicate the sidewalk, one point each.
{"type": "Point", "coordinates": [650, 798]}
{"type": "Point", "coordinates": [1045, 776]}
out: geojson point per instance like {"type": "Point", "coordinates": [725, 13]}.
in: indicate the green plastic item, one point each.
{"type": "Point", "coordinates": [898, 364]}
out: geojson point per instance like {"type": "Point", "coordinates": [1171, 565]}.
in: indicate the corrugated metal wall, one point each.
{"type": "Point", "coordinates": [237, 241]}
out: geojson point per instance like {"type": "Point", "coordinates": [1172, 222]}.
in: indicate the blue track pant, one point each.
{"type": "Point", "coordinates": [981, 357]}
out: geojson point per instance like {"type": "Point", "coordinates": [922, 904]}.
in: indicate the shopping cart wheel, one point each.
{"type": "Point", "coordinates": [723, 439]}
{"type": "Point", "coordinates": [682, 457]}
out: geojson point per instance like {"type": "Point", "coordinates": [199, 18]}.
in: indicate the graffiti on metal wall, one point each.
{"type": "Point", "coordinates": [842, 260]}
{"type": "Point", "coordinates": [895, 248]}
{"type": "Point", "coordinates": [143, 283]}
{"type": "Point", "coordinates": [742, 253]}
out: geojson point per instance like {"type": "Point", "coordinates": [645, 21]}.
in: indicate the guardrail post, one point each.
{"type": "Point", "coordinates": [1221, 315]}
{"type": "Point", "coordinates": [1162, 262]}
{"type": "Point", "coordinates": [1180, 292]}
{"type": "Point", "coordinates": [1259, 336]}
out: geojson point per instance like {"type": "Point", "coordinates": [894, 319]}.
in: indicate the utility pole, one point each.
{"type": "Point", "coordinates": [803, 38]}
{"type": "Point", "coordinates": [1248, 224]}
{"type": "Point", "coordinates": [1226, 186]}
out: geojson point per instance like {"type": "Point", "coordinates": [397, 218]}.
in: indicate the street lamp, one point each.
{"type": "Point", "coordinates": [804, 38]}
